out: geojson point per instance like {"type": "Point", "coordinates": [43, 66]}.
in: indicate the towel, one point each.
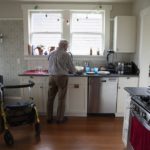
{"type": "Point", "coordinates": [140, 136]}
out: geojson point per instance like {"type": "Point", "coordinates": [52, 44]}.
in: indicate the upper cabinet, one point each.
{"type": "Point", "coordinates": [124, 34]}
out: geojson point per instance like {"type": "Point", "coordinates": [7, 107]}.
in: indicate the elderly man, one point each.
{"type": "Point", "coordinates": [60, 64]}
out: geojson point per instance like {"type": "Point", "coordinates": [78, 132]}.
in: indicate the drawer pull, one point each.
{"type": "Point", "coordinates": [76, 85]}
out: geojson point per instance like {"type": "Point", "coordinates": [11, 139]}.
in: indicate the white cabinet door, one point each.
{"type": "Point", "coordinates": [76, 103]}
{"type": "Point", "coordinates": [45, 91]}
{"type": "Point", "coordinates": [126, 120]}
{"type": "Point", "coordinates": [121, 97]}
{"type": "Point", "coordinates": [37, 92]}
{"type": "Point", "coordinates": [76, 97]}
{"type": "Point", "coordinates": [124, 34]}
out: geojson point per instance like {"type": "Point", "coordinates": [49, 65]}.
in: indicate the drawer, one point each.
{"type": "Point", "coordinates": [77, 80]}
{"type": "Point", "coordinates": [128, 81]}
{"type": "Point", "coordinates": [34, 79]}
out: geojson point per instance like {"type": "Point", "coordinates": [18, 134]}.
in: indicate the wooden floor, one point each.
{"type": "Point", "coordinates": [78, 133]}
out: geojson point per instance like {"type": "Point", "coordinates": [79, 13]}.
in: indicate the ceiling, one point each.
{"type": "Point", "coordinates": [66, 0]}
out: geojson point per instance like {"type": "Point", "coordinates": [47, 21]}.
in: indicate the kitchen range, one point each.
{"type": "Point", "coordinates": [139, 120]}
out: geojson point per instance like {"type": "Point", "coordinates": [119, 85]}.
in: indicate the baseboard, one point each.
{"type": "Point", "coordinates": [119, 115]}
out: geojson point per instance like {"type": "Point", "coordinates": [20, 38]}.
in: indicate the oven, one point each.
{"type": "Point", "coordinates": [139, 124]}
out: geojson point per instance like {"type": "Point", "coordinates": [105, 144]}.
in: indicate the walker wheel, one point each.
{"type": "Point", "coordinates": [9, 140]}
{"type": "Point", "coordinates": [1, 124]}
{"type": "Point", "coordinates": [37, 129]}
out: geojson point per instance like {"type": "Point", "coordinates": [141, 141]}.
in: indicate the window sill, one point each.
{"type": "Point", "coordinates": [30, 57]}
{"type": "Point", "coordinates": [93, 57]}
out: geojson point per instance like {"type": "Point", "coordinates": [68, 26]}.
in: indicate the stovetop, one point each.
{"type": "Point", "coordinates": [143, 101]}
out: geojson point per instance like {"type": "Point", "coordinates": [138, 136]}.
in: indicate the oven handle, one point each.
{"type": "Point", "coordinates": [142, 121]}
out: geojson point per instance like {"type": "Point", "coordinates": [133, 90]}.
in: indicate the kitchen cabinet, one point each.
{"type": "Point", "coordinates": [126, 119]}
{"type": "Point", "coordinates": [37, 92]}
{"type": "Point", "coordinates": [121, 96]}
{"type": "Point", "coordinates": [46, 97]}
{"type": "Point", "coordinates": [76, 97]}
{"type": "Point", "coordinates": [124, 34]}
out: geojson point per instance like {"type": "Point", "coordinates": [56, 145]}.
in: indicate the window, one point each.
{"type": "Point", "coordinates": [45, 31]}
{"type": "Point", "coordinates": [45, 25]}
{"type": "Point", "coordinates": [87, 32]}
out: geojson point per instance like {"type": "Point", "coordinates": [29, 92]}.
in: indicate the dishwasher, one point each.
{"type": "Point", "coordinates": [102, 95]}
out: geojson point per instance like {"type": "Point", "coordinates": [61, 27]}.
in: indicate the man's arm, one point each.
{"type": "Point", "coordinates": [71, 66]}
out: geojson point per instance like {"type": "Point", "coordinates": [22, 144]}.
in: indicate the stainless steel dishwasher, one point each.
{"type": "Point", "coordinates": [102, 95]}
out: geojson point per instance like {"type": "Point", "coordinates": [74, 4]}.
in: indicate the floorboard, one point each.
{"type": "Point", "coordinates": [78, 133]}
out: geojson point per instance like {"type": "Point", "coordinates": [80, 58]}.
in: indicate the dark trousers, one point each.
{"type": "Point", "coordinates": [57, 84]}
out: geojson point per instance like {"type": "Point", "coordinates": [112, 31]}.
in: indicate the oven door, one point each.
{"type": "Point", "coordinates": [139, 132]}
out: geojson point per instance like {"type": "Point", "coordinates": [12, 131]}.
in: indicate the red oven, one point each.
{"type": "Point", "coordinates": [139, 126]}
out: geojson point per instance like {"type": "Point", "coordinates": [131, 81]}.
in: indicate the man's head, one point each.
{"type": "Point", "coordinates": [63, 44]}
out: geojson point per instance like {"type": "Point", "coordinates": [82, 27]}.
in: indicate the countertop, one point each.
{"type": "Point", "coordinates": [139, 91]}
{"type": "Point", "coordinates": [84, 75]}
{"type": "Point", "coordinates": [44, 73]}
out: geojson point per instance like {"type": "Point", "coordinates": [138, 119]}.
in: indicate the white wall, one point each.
{"type": "Point", "coordinates": [13, 10]}
{"type": "Point", "coordinates": [10, 10]}
{"type": "Point", "coordinates": [142, 56]}
{"type": "Point", "coordinates": [138, 6]}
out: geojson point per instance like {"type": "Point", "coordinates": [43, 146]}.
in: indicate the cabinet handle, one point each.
{"type": "Point", "coordinates": [76, 85]}
{"type": "Point", "coordinates": [41, 87]}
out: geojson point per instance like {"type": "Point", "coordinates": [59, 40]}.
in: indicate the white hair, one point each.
{"type": "Point", "coordinates": [63, 42]}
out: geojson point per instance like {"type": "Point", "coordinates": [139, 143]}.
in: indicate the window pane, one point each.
{"type": "Point", "coordinates": [46, 39]}
{"type": "Point", "coordinates": [46, 22]}
{"type": "Point", "coordinates": [82, 22]}
{"type": "Point", "coordinates": [81, 44]}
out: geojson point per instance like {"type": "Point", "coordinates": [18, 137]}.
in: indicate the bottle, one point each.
{"type": "Point", "coordinates": [91, 51]}
{"type": "Point", "coordinates": [86, 67]}
{"type": "Point", "coordinates": [119, 68]}
{"type": "Point", "coordinates": [122, 68]}
{"type": "Point", "coordinates": [97, 52]}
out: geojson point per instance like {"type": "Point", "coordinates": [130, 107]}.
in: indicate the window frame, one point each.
{"type": "Point", "coordinates": [65, 8]}
{"type": "Point", "coordinates": [47, 32]}
{"type": "Point", "coordinates": [93, 33]}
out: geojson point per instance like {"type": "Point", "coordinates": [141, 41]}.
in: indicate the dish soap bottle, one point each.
{"type": "Point", "coordinates": [91, 51]}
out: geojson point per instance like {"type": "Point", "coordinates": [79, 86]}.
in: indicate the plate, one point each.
{"type": "Point", "coordinates": [103, 72]}
{"type": "Point", "coordinates": [91, 72]}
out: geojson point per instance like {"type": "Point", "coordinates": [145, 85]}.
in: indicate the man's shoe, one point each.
{"type": "Point", "coordinates": [50, 121]}
{"type": "Point", "coordinates": [62, 121]}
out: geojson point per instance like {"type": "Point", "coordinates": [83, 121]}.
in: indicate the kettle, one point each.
{"type": "Point", "coordinates": [110, 66]}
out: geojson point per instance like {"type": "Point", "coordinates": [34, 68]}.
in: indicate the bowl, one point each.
{"type": "Point", "coordinates": [95, 69]}
{"type": "Point", "coordinates": [79, 68]}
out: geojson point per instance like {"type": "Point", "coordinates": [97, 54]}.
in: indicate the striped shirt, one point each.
{"type": "Point", "coordinates": [60, 63]}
